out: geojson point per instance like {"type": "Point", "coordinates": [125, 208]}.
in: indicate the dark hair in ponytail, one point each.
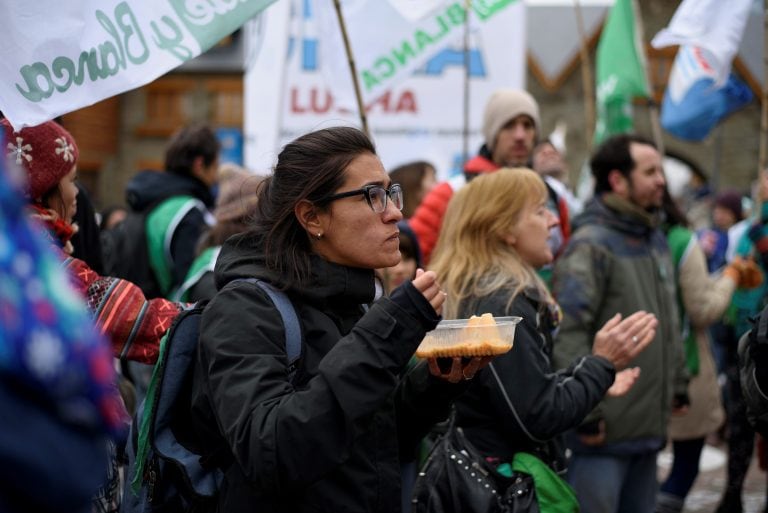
{"type": "Point", "coordinates": [309, 168]}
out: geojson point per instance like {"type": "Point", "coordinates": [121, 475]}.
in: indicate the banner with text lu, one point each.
{"type": "Point", "coordinates": [57, 57]}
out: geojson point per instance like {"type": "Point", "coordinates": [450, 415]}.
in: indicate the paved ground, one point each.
{"type": "Point", "coordinates": [705, 495]}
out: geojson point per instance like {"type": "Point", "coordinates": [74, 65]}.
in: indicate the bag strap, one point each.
{"type": "Point", "coordinates": [222, 457]}
{"type": "Point", "coordinates": [762, 327]}
{"type": "Point", "coordinates": [290, 321]}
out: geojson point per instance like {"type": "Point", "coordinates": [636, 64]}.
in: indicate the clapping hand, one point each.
{"type": "Point", "coordinates": [623, 382]}
{"type": "Point", "coordinates": [621, 340]}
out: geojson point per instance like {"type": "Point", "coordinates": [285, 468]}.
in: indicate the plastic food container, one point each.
{"type": "Point", "coordinates": [477, 336]}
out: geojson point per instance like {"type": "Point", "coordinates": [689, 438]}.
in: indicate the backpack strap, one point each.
{"type": "Point", "coordinates": [222, 457]}
{"type": "Point", "coordinates": [290, 321]}
{"type": "Point", "coordinates": [762, 327]}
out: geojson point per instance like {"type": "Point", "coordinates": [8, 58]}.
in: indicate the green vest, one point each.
{"type": "Point", "coordinates": [160, 226]}
{"type": "Point", "coordinates": [205, 262]}
{"type": "Point", "coordinates": [680, 241]}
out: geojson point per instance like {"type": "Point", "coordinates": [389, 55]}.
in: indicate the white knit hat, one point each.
{"type": "Point", "coordinates": [505, 105]}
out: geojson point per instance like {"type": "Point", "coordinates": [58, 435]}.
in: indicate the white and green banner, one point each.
{"type": "Point", "coordinates": [410, 64]}
{"type": "Point", "coordinates": [57, 56]}
{"type": "Point", "coordinates": [393, 38]}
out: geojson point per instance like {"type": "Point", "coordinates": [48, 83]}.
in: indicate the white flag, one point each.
{"type": "Point", "coordinates": [419, 114]}
{"type": "Point", "coordinates": [715, 25]}
{"type": "Point", "coordinates": [57, 56]}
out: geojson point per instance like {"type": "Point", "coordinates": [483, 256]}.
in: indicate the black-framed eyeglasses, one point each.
{"type": "Point", "coordinates": [376, 196]}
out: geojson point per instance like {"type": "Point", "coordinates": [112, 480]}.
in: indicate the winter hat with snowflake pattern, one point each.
{"type": "Point", "coordinates": [47, 153]}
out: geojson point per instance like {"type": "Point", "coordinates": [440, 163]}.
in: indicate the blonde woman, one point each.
{"type": "Point", "coordinates": [494, 237]}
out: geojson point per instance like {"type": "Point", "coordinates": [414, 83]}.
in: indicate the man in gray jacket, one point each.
{"type": "Point", "coordinates": [618, 261]}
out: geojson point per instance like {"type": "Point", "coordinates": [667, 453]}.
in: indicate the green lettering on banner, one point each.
{"type": "Point", "coordinates": [423, 39]}
{"type": "Point", "coordinates": [369, 79]}
{"type": "Point", "coordinates": [210, 20]}
{"type": "Point", "coordinates": [455, 13]}
{"type": "Point", "coordinates": [487, 8]}
{"type": "Point", "coordinates": [101, 62]}
{"type": "Point", "coordinates": [32, 75]}
{"type": "Point", "coordinates": [129, 30]}
{"type": "Point", "coordinates": [387, 66]}
{"type": "Point", "coordinates": [171, 41]}
{"type": "Point", "coordinates": [402, 56]}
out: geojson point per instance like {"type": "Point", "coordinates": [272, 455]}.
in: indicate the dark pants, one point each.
{"type": "Point", "coordinates": [614, 484]}
{"type": "Point", "coordinates": [685, 467]}
{"type": "Point", "coordinates": [741, 435]}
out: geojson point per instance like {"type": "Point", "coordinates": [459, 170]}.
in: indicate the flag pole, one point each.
{"type": "Point", "coordinates": [763, 152]}
{"type": "Point", "coordinates": [352, 68]}
{"type": "Point", "coordinates": [465, 124]}
{"type": "Point", "coordinates": [586, 78]}
{"type": "Point", "coordinates": [763, 144]}
{"type": "Point", "coordinates": [653, 107]}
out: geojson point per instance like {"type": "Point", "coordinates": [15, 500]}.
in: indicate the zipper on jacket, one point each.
{"type": "Point", "coordinates": [151, 479]}
{"type": "Point", "coordinates": [664, 371]}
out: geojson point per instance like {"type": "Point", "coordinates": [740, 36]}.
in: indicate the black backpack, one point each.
{"type": "Point", "coordinates": [169, 470]}
{"type": "Point", "coordinates": [126, 255]}
{"type": "Point", "coordinates": [755, 398]}
{"type": "Point", "coordinates": [140, 252]}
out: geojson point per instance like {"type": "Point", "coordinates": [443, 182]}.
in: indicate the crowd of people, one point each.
{"type": "Point", "coordinates": [630, 318]}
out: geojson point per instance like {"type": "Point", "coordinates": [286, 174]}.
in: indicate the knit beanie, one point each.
{"type": "Point", "coordinates": [237, 196]}
{"type": "Point", "coordinates": [503, 106]}
{"type": "Point", "coordinates": [730, 200]}
{"type": "Point", "coordinates": [47, 152]}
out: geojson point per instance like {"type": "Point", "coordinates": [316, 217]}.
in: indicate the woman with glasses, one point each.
{"type": "Point", "coordinates": [329, 437]}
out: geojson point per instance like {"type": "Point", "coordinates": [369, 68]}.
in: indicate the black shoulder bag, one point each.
{"type": "Point", "coordinates": [456, 478]}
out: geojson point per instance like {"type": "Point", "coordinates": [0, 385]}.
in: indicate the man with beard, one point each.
{"type": "Point", "coordinates": [618, 261]}
{"type": "Point", "coordinates": [511, 127]}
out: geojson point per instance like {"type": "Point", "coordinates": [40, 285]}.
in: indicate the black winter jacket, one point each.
{"type": "Point", "coordinates": [332, 439]}
{"type": "Point", "coordinates": [518, 403]}
{"type": "Point", "coordinates": [148, 189]}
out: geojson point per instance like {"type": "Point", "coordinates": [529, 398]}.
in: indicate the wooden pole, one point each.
{"type": "Point", "coordinates": [763, 153]}
{"type": "Point", "coordinates": [653, 108]}
{"type": "Point", "coordinates": [465, 114]}
{"type": "Point", "coordinates": [352, 68]}
{"type": "Point", "coordinates": [587, 81]}
{"type": "Point", "coordinates": [763, 148]}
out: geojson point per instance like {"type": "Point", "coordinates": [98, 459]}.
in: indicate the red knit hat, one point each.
{"type": "Point", "coordinates": [47, 153]}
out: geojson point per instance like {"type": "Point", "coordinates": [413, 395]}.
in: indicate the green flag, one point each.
{"type": "Point", "coordinates": [620, 72]}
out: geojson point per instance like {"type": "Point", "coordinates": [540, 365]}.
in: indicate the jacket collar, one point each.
{"type": "Point", "coordinates": [630, 210]}
{"type": "Point", "coordinates": [331, 282]}
{"type": "Point", "coordinates": [613, 211]}
{"type": "Point", "coordinates": [243, 256]}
